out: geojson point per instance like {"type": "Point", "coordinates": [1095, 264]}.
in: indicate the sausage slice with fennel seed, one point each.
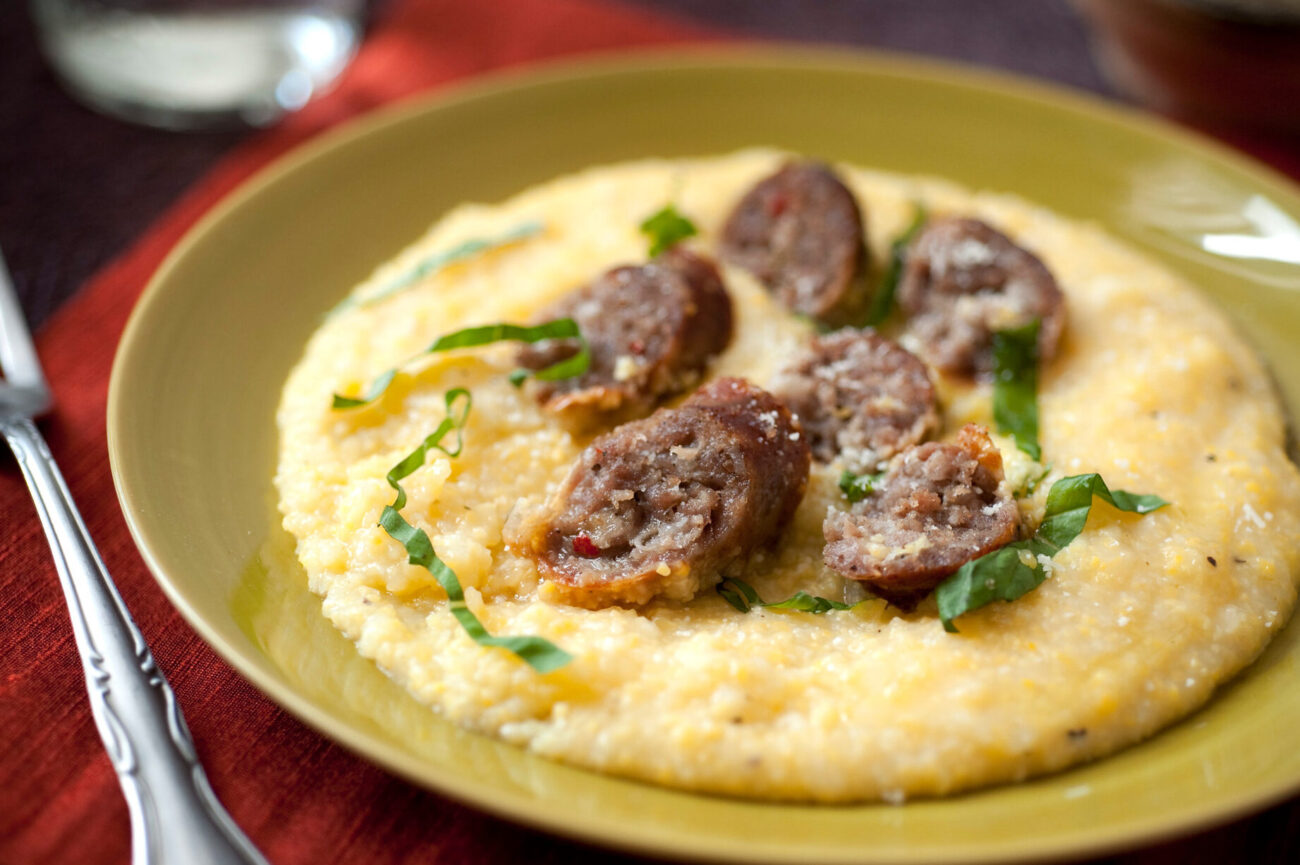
{"type": "Point", "coordinates": [799, 232]}
{"type": "Point", "coordinates": [660, 506]}
{"type": "Point", "coordinates": [940, 505]}
{"type": "Point", "coordinates": [652, 330]}
{"type": "Point", "coordinates": [965, 280]}
{"type": "Point", "coordinates": [860, 397]}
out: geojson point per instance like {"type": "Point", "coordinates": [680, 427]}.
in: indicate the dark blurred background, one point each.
{"type": "Point", "coordinates": [76, 187]}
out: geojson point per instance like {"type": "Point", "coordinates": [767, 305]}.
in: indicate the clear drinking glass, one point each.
{"type": "Point", "coordinates": [195, 64]}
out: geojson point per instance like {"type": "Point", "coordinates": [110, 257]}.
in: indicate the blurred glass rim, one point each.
{"type": "Point", "coordinates": [1248, 11]}
{"type": "Point", "coordinates": [198, 64]}
{"type": "Point", "coordinates": [1222, 62]}
{"type": "Point", "coordinates": [1265, 13]}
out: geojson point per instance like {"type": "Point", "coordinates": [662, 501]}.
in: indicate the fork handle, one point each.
{"type": "Point", "coordinates": [175, 817]}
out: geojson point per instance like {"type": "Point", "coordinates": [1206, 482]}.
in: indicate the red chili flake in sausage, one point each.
{"type": "Point", "coordinates": [799, 233]}
{"type": "Point", "coordinates": [673, 502]}
{"type": "Point", "coordinates": [636, 346]}
{"type": "Point", "coordinates": [585, 547]}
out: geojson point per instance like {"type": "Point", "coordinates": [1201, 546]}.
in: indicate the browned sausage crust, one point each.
{"type": "Point", "coordinates": [964, 280]}
{"type": "Point", "coordinates": [800, 233]}
{"type": "Point", "coordinates": [939, 506]}
{"type": "Point", "coordinates": [859, 396]}
{"type": "Point", "coordinates": [659, 506]}
{"type": "Point", "coordinates": [652, 330]}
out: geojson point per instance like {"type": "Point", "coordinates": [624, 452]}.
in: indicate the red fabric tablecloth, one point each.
{"type": "Point", "coordinates": [301, 798]}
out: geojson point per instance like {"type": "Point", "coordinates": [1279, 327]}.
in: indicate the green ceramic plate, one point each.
{"type": "Point", "coordinates": [194, 389]}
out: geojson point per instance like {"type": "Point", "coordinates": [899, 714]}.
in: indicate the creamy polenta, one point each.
{"type": "Point", "coordinates": [1142, 618]}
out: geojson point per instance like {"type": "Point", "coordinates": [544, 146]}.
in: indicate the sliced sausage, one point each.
{"type": "Point", "coordinates": [661, 505]}
{"type": "Point", "coordinates": [939, 506]}
{"type": "Point", "coordinates": [651, 329]}
{"type": "Point", "coordinates": [963, 280]}
{"type": "Point", "coordinates": [800, 233]}
{"type": "Point", "coordinates": [859, 396]}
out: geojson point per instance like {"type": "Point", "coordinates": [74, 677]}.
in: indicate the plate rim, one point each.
{"type": "Point", "coordinates": [521, 809]}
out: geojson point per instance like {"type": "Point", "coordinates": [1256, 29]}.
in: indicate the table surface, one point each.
{"type": "Point", "coordinates": [77, 188]}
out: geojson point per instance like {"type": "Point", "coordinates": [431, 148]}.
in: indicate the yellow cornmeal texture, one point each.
{"type": "Point", "coordinates": [1135, 628]}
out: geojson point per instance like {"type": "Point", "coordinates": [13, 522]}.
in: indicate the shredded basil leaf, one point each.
{"type": "Point", "coordinates": [440, 260]}
{"type": "Point", "coordinates": [1015, 385]}
{"type": "Point", "coordinates": [742, 596]}
{"type": "Point", "coordinates": [806, 603]}
{"type": "Point", "coordinates": [1003, 575]}
{"type": "Point", "coordinates": [882, 302]}
{"type": "Point", "coordinates": [1031, 484]}
{"type": "Point", "coordinates": [1070, 500]}
{"type": "Point", "coordinates": [376, 389]}
{"type": "Point", "coordinates": [665, 228]}
{"type": "Point", "coordinates": [470, 337]}
{"type": "Point", "coordinates": [540, 654]}
{"type": "Point", "coordinates": [858, 487]}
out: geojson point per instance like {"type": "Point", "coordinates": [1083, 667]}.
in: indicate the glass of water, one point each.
{"type": "Point", "coordinates": [198, 64]}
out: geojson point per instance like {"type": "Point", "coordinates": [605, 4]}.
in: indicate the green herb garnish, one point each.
{"type": "Point", "coordinates": [665, 228]}
{"type": "Point", "coordinates": [1003, 575]}
{"type": "Point", "coordinates": [470, 337]}
{"type": "Point", "coordinates": [858, 487]}
{"type": "Point", "coordinates": [882, 302]}
{"type": "Point", "coordinates": [540, 654]}
{"type": "Point", "coordinates": [1070, 501]}
{"type": "Point", "coordinates": [742, 596]}
{"type": "Point", "coordinates": [440, 260]}
{"type": "Point", "coordinates": [1015, 385]}
{"type": "Point", "coordinates": [1031, 484]}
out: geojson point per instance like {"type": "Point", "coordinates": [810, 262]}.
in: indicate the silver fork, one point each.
{"type": "Point", "coordinates": [175, 817]}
